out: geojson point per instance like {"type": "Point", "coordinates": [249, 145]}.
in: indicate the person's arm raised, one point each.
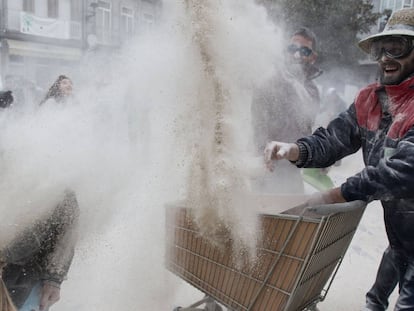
{"type": "Point", "coordinates": [276, 150]}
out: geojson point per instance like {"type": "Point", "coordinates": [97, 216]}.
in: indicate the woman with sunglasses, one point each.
{"type": "Point", "coordinates": [381, 123]}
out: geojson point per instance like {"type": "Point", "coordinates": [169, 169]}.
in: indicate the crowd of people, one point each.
{"type": "Point", "coordinates": [37, 260]}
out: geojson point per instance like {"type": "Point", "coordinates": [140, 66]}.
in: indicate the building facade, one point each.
{"type": "Point", "coordinates": [109, 23]}
{"type": "Point", "coordinates": [40, 39]}
{"type": "Point", "coordinates": [395, 4]}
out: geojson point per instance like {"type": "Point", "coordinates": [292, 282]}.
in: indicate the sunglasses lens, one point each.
{"type": "Point", "coordinates": [392, 47]}
{"type": "Point", "coordinates": [303, 50]}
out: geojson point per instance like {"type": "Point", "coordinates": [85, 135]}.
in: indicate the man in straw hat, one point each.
{"type": "Point", "coordinates": [381, 122]}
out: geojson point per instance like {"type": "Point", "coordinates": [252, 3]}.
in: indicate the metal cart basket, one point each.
{"type": "Point", "coordinates": [297, 258]}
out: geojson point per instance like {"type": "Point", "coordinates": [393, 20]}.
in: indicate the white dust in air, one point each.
{"type": "Point", "coordinates": [167, 119]}
{"type": "Point", "coordinates": [217, 184]}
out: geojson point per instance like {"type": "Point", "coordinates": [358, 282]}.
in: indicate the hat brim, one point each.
{"type": "Point", "coordinates": [365, 44]}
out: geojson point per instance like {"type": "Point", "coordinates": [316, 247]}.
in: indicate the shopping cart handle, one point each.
{"type": "Point", "coordinates": [327, 209]}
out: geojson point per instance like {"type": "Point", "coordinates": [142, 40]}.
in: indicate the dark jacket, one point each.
{"type": "Point", "coordinates": [283, 109]}
{"type": "Point", "coordinates": [386, 135]}
{"type": "Point", "coordinates": [42, 252]}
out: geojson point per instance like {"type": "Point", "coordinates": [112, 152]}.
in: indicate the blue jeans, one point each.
{"type": "Point", "coordinates": [33, 301]}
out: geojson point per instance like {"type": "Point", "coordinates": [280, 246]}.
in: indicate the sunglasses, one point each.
{"type": "Point", "coordinates": [393, 47]}
{"type": "Point", "coordinates": [303, 50]}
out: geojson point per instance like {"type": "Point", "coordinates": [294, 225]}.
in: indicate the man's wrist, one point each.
{"type": "Point", "coordinates": [335, 195]}
{"type": "Point", "coordinates": [293, 155]}
{"type": "Point", "coordinates": [300, 154]}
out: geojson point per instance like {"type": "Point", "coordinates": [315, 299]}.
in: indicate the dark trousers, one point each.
{"type": "Point", "coordinates": [385, 282]}
{"type": "Point", "coordinates": [394, 268]}
{"type": "Point", "coordinates": [20, 281]}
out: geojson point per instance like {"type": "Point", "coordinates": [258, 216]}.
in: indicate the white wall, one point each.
{"type": "Point", "coordinates": [64, 10]}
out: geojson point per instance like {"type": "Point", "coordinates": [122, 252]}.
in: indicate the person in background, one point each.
{"type": "Point", "coordinates": [6, 99]}
{"type": "Point", "coordinates": [381, 122]}
{"type": "Point", "coordinates": [60, 90]}
{"type": "Point", "coordinates": [15, 84]}
{"type": "Point", "coordinates": [284, 108]}
{"type": "Point", "coordinates": [6, 303]}
{"type": "Point", "coordinates": [37, 261]}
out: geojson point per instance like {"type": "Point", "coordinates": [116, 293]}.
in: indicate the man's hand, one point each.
{"type": "Point", "coordinates": [50, 294]}
{"type": "Point", "coordinates": [330, 196]}
{"type": "Point", "coordinates": [276, 150]}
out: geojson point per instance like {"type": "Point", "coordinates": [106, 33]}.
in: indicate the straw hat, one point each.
{"type": "Point", "coordinates": [401, 23]}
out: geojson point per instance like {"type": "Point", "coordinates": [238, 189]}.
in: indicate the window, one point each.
{"type": "Point", "coordinates": [104, 4]}
{"type": "Point", "coordinates": [387, 5]}
{"type": "Point", "coordinates": [76, 10]}
{"type": "Point", "coordinates": [148, 18]}
{"type": "Point", "coordinates": [104, 20]}
{"type": "Point", "coordinates": [408, 3]}
{"type": "Point", "coordinates": [53, 8]}
{"type": "Point", "coordinates": [28, 6]}
{"type": "Point", "coordinates": [127, 20]}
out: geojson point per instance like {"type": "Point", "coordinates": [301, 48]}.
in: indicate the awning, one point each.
{"type": "Point", "coordinates": [32, 49]}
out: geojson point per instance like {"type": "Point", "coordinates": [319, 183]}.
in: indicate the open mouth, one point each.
{"type": "Point", "coordinates": [391, 68]}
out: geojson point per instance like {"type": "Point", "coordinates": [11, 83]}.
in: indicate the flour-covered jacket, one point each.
{"type": "Point", "coordinates": [284, 107]}
{"type": "Point", "coordinates": [42, 252]}
{"type": "Point", "coordinates": [386, 135]}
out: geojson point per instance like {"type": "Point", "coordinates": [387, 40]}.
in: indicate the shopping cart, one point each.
{"type": "Point", "coordinates": [297, 258]}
